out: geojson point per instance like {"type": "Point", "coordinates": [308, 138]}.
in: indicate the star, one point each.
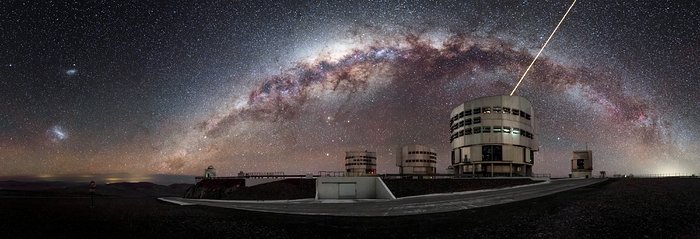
{"type": "Point", "coordinates": [236, 79]}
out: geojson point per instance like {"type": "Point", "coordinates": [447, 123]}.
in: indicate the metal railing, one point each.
{"type": "Point", "coordinates": [656, 175]}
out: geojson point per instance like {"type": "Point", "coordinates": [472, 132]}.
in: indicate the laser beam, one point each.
{"type": "Point", "coordinates": [541, 49]}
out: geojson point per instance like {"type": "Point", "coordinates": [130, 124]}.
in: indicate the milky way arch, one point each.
{"type": "Point", "coordinates": [415, 61]}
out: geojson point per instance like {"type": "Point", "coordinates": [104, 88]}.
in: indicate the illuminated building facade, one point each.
{"type": "Point", "coordinates": [416, 160]}
{"type": "Point", "coordinates": [582, 164]}
{"type": "Point", "coordinates": [493, 136]}
{"type": "Point", "coordinates": [360, 162]}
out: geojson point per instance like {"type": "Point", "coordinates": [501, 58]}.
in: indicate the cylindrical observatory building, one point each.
{"type": "Point", "coordinates": [360, 162]}
{"type": "Point", "coordinates": [493, 136]}
{"type": "Point", "coordinates": [416, 159]}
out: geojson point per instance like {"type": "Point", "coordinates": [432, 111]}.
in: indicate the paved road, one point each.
{"type": "Point", "coordinates": [436, 203]}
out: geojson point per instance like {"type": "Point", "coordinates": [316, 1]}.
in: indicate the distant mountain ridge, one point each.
{"type": "Point", "coordinates": [123, 189]}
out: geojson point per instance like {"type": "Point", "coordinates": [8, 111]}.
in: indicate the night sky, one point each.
{"type": "Point", "coordinates": [96, 87]}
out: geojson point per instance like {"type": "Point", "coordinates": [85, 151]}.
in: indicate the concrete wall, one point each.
{"type": "Point", "coordinates": [249, 182]}
{"type": "Point", "coordinates": [352, 188]}
{"type": "Point", "coordinates": [383, 191]}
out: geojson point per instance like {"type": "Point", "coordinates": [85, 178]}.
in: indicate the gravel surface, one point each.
{"type": "Point", "coordinates": [623, 208]}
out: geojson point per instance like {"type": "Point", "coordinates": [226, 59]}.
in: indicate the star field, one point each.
{"type": "Point", "coordinates": [152, 88]}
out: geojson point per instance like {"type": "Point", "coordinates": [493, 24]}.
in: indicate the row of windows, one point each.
{"type": "Point", "coordinates": [470, 121]}
{"type": "Point", "coordinates": [361, 160]}
{"type": "Point", "coordinates": [495, 153]}
{"type": "Point", "coordinates": [360, 157]}
{"type": "Point", "coordinates": [421, 152]}
{"type": "Point", "coordinates": [350, 164]}
{"type": "Point", "coordinates": [489, 110]}
{"type": "Point", "coordinates": [420, 161]}
{"type": "Point", "coordinates": [488, 129]}
{"type": "Point", "coordinates": [491, 153]}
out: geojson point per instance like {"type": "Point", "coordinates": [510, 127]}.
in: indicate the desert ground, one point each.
{"type": "Point", "coordinates": [617, 208]}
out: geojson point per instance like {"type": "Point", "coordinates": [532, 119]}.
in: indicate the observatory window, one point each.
{"type": "Point", "coordinates": [496, 109]}
{"type": "Point", "coordinates": [468, 131]}
{"type": "Point", "coordinates": [477, 120]}
{"type": "Point", "coordinates": [467, 112]}
{"type": "Point", "coordinates": [516, 112]}
{"type": "Point", "coordinates": [461, 123]}
{"type": "Point", "coordinates": [516, 131]}
{"type": "Point", "coordinates": [527, 116]}
{"type": "Point", "coordinates": [486, 129]}
{"type": "Point", "coordinates": [491, 153]}
{"type": "Point", "coordinates": [506, 130]}
{"type": "Point", "coordinates": [579, 164]}
{"type": "Point", "coordinates": [528, 134]}
{"type": "Point", "coordinates": [506, 110]}
{"type": "Point", "coordinates": [522, 114]}
{"type": "Point", "coordinates": [487, 110]}
{"type": "Point", "coordinates": [468, 121]}
{"type": "Point", "coordinates": [476, 111]}
{"type": "Point", "coordinates": [461, 114]}
{"type": "Point", "coordinates": [496, 129]}
{"type": "Point", "coordinates": [477, 130]}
